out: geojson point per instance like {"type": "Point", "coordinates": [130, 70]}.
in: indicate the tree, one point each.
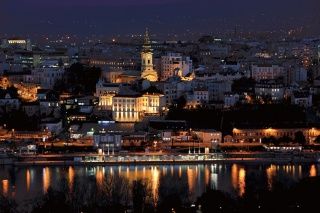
{"type": "Point", "coordinates": [7, 205]}
{"type": "Point", "coordinates": [181, 102]}
{"type": "Point", "coordinates": [269, 140]}
{"type": "Point", "coordinates": [80, 79]}
{"type": "Point", "coordinates": [215, 201]}
{"type": "Point", "coordinates": [243, 85]}
{"type": "Point", "coordinates": [140, 195]}
{"type": "Point", "coordinates": [285, 139]}
{"type": "Point", "coordinates": [317, 140]}
{"type": "Point", "coordinates": [300, 138]}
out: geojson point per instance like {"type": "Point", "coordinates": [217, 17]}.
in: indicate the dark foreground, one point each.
{"type": "Point", "coordinates": [137, 197]}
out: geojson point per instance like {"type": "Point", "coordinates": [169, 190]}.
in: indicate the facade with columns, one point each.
{"type": "Point", "coordinates": [133, 108]}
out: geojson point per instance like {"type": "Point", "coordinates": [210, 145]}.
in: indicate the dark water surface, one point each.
{"type": "Point", "coordinates": [27, 183]}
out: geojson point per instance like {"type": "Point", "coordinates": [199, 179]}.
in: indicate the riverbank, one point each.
{"type": "Point", "coordinates": [133, 163]}
{"type": "Point", "coordinates": [158, 159]}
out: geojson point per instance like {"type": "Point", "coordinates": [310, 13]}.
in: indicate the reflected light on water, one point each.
{"type": "Point", "coordinates": [242, 181]}
{"type": "Point", "coordinates": [234, 176]}
{"type": "Point", "coordinates": [144, 172]}
{"type": "Point", "coordinates": [99, 177]}
{"type": "Point", "coordinates": [127, 172]}
{"type": "Point", "coordinates": [111, 171]}
{"type": "Point", "coordinates": [28, 180]}
{"type": "Point", "coordinates": [271, 173]}
{"type": "Point", "coordinates": [45, 179]}
{"type": "Point", "coordinates": [238, 179]}
{"type": "Point", "coordinates": [155, 179]}
{"type": "Point", "coordinates": [206, 175]}
{"type": "Point", "coordinates": [70, 177]}
{"type": "Point", "coordinates": [299, 171]}
{"type": "Point", "coordinates": [313, 171]}
{"type": "Point", "coordinates": [191, 178]}
{"type": "Point", "coordinates": [5, 187]}
{"type": "Point", "coordinates": [214, 181]}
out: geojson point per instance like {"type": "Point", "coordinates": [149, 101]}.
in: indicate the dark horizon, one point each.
{"type": "Point", "coordinates": [36, 18]}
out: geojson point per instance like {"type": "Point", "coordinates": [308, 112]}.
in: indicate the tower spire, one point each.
{"type": "Point", "coordinates": [146, 37]}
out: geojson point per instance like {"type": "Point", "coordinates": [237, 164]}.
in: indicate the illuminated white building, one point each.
{"type": "Point", "coordinates": [132, 108]}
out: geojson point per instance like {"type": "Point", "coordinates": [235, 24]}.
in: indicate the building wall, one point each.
{"type": "Point", "coordinates": [173, 61]}
{"type": "Point", "coordinates": [266, 72]}
{"type": "Point", "coordinates": [256, 135]}
{"type": "Point", "coordinates": [133, 109]}
{"type": "Point", "coordinates": [275, 91]}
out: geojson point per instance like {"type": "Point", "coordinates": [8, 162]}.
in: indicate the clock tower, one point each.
{"type": "Point", "coordinates": [147, 70]}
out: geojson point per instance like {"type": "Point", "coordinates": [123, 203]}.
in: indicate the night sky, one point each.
{"type": "Point", "coordinates": [111, 17]}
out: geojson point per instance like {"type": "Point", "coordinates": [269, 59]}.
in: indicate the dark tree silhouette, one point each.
{"type": "Point", "coordinates": [79, 79]}
{"type": "Point", "coordinates": [300, 138]}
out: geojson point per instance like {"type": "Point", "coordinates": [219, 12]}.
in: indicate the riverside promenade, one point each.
{"type": "Point", "coordinates": [161, 158]}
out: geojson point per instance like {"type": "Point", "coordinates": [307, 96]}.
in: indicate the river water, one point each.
{"type": "Point", "coordinates": [26, 183]}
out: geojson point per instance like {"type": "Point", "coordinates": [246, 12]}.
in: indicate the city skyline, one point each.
{"type": "Point", "coordinates": [35, 18]}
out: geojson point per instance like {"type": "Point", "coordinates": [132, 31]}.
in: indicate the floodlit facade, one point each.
{"type": "Point", "coordinates": [134, 108]}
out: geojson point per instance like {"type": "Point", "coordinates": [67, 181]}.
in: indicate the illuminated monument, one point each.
{"type": "Point", "coordinates": [147, 71]}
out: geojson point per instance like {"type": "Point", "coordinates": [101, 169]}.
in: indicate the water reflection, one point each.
{"type": "Point", "coordinates": [271, 173]}
{"type": "Point", "coordinates": [45, 179]}
{"type": "Point", "coordinates": [100, 177]}
{"type": "Point", "coordinates": [242, 181]}
{"type": "Point", "coordinates": [28, 179]}
{"type": "Point", "coordinates": [70, 177]}
{"type": "Point", "coordinates": [191, 175]}
{"type": "Point", "coordinates": [155, 177]}
{"type": "Point", "coordinates": [238, 179]}
{"type": "Point", "coordinates": [5, 187]}
{"type": "Point", "coordinates": [30, 182]}
{"type": "Point", "coordinates": [313, 171]}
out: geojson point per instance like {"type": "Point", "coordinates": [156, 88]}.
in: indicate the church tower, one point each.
{"type": "Point", "coordinates": [147, 71]}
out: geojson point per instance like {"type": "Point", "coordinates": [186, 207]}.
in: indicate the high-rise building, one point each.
{"type": "Point", "coordinates": [147, 70]}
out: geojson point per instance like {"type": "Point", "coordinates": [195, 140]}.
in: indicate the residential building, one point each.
{"type": "Point", "coordinates": [172, 62]}
{"type": "Point", "coordinates": [261, 72]}
{"type": "Point", "coordinates": [273, 89]}
{"type": "Point", "coordinates": [255, 135]}
{"type": "Point", "coordinates": [230, 99]}
{"type": "Point", "coordinates": [303, 99]}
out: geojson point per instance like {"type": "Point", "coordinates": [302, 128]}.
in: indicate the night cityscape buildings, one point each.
{"type": "Point", "coordinates": [227, 110]}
